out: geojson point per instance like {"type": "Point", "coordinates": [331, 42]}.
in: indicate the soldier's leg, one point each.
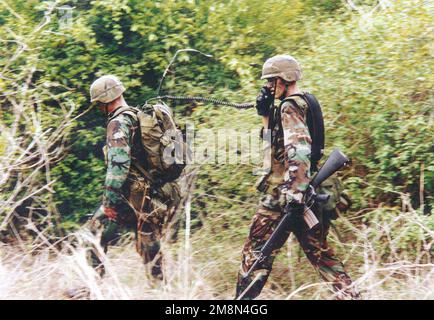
{"type": "Point", "coordinates": [149, 233]}
{"type": "Point", "coordinates": [321, 256]}
{"type": "Point", "coordinates": [148, 246]}
{"type": "Point", "coordinates": [263, 224]}
{"type": "Point", "coordinates": [147, 228]}
{"type": "Point", "coordinates": [107, 232]}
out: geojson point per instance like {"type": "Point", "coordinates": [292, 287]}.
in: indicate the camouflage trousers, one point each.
{"type": "Point", "coordinates": [147, 217]}
{"type": "Point", "coordinates": [313, 242]}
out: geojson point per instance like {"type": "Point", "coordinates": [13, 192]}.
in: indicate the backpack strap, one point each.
{"type": "Point", "coordinates": [131, 111]}
{"type": "Point", "coordinates": [315, 124]}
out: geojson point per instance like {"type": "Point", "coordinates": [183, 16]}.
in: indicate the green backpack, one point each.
{"type": "Point", "coordinates": [162, 141]}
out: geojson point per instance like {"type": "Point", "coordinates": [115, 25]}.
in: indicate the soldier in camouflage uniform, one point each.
{"type": "Point", "coordinates": [286, 181]}
{"type": "Point", "coordinates": [129, 200]}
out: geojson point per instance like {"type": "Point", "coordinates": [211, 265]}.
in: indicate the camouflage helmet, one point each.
{"type": "Point", "coordinates": [283, 66]}
{"type": "Point", "coordinates": [106, 89]}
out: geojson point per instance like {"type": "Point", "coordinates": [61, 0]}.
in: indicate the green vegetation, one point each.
{"type": "Point", "coordinates": [370, 66]}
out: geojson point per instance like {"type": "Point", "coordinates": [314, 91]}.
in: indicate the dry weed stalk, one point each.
{"type": "Point", "coordinates": [33, 137]}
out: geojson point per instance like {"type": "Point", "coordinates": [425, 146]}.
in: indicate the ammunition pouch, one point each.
{"type": "Point", "coordinates": [138, 194]}
{"type": "Point", "coordinates": [338, 202]}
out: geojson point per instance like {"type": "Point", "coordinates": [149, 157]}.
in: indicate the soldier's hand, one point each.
{"type": "Point", "coordinates": [264, 101]}
{"type": "Point", "coordinates": [110, 213]}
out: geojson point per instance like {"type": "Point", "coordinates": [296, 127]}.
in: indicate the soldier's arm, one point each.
{"type": "Point", "coordinates": [118, 160]}
{"type": "Point", "coordinates": [297, 143]}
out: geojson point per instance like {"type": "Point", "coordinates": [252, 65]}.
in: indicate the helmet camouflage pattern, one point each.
{"type": "Point", "coordinates": [283, 66]}
{"type": "Point", "coordinates": [106, 89]}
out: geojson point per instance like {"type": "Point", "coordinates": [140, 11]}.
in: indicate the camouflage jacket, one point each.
{"type": "Point", "coordinates": [288, 164]}
{"type": "Point", "coordinates": [120, 154]}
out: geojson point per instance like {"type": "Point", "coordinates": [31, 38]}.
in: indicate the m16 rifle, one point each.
{"type": "Point", "coordinates": [335, 161]}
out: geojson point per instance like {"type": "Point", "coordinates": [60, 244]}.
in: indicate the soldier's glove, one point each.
{"type": "Point", "coordinates": [264, 101]}
{"type": "Point", "coordinates": [297, 213]}
{"type": "Point", "coordinates": [110, 213]}
{"type": "Point", "coordinates": [297, 209]}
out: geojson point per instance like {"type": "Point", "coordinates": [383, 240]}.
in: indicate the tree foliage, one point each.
{"type": "Point", "coordinates": [370, 66]}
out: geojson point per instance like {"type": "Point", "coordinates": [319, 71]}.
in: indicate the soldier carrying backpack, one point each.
{"type": "Point", "coordinates": [144, 158]}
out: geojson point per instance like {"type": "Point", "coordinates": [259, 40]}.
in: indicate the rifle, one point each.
{"type": "Point", "coordinates": [335, 161]}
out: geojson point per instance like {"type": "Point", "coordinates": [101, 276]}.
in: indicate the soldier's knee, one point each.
{"type": "Point", "coordinates": [148, 251]}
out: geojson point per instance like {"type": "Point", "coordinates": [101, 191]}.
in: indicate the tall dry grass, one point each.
{"type": "Point", "coordinates": [199, 266]}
